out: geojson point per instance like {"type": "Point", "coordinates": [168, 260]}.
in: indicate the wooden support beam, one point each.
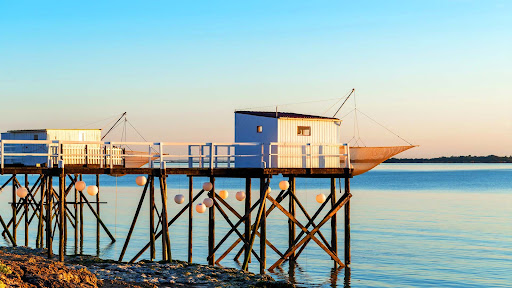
{"type": "Point", "coordinates": [263, 226]}
{"type": "Point", "coordinates": [25, 204]}
{"type": "Point", "coordinates": [6, 229]}
{"type": "Point", "coordinates": [211, 226]}
{"type": "Point", "coordinates": [310, 234]}
{"type": "Point", "coordinates": [334, 223]}
{"type": "Point", "coordinates": [76, 207]}
{"type": "Point", "coordinates": [62, 219]}
{"type": "Point", "coordinates": [291, 224]}
{"type": "Point", "coordinates": [347, 223]}
{"type": "Point", "coordinates": [98, 217]}
{"type": "Point", "coordinates": [134, 221]}
{"type": "Point", "coordinates": [98, 232]}
{"type": "Point", "coordinates": [81, 219]}
{"type": "Point", "coordinates": [152, 250]}
{"type": "Point", "coordinates": [248, 218]}
{"type": "Point", "coordinates": [49, 208]}
{"type": "Point", "coordinates": [256, 225]}
{"type": "Point", "coordinates": [40, 227]}
{"type": "Point", "coordinates": [190, 215]}
{"type": "Point", "coordinates": [166, 241]}
{"type": "Point", "coordinates": [14, 210]}
{"type": "Point", "coordinates": [168, 224]}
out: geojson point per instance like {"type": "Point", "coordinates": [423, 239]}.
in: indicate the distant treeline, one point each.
{"type": "Point", "coordinates": [454, 159]}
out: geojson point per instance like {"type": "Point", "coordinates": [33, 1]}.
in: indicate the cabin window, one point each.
{"type": "Point", "coordinates": [259, 129]}
{"type": "Point", "coordinates": [36, 137]}
{"type": "Point", "coordinates": [304, 130]}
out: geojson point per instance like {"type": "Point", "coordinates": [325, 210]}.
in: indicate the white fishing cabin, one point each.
{"type": "Point", "coordinates": [39, 153]}
{"type": "Point", "coordinates": [294, 140]}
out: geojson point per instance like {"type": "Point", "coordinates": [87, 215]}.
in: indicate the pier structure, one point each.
{"type": "Point", "coordinates": [55, 210]}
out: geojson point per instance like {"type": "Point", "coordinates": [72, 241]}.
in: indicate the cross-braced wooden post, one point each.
{"type": "Point", "coordinates": [211, 226]}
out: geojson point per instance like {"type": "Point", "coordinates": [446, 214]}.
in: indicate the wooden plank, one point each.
{"type": "Point", "coordinates": [248, 219]}
{"type": "Point", "coordinates": [49, 205]}
{"type": "Point", "coordinates": [62, 203]}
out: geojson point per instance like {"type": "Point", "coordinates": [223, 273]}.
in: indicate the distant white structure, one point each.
{"type": "Point", "coordinates": [81, 135]}
{"type": "Point", "coordinates": [295, 140]}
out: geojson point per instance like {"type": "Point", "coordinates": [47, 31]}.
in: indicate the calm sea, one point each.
{"type": "Point", "coordinates": [413, 225]}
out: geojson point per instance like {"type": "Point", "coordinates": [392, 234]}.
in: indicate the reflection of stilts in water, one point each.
{"type": "Point", "coordinates": [334, 276]}
{"type": "Point", "coordinates": [346, 280]}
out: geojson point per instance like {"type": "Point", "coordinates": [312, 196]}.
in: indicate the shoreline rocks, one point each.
{"type": "Point", "coordinates": [30, 268]}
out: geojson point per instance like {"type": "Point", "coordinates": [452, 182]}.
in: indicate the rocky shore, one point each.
{"type": "Point", "coordinates": [25, 267]}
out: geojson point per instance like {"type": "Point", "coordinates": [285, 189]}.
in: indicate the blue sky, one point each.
{"type": "Point", "coordinates": [436, 72]}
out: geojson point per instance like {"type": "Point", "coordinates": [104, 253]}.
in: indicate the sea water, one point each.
{"type": "Point", "coordinates": [412, 225]}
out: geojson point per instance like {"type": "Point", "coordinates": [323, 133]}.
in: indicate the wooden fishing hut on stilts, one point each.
{"type": "Point", "coordinates": [251, 157]}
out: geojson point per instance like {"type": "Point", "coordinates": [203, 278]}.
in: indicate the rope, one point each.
{"type": "Point", "coordinates": [385, 127]}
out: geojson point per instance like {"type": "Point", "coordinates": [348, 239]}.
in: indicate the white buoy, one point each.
{"type": "Point", "coordinates": [240, 195]}
{"type": "Point", "coordinates": [179, 198]}
{"type": "Point", "coordinates": [22, 192]}
{"type": "Point", "coordinates": [92, 190]}
{"type": "Point", "coordinates": [284, 185]}
{"type": "Point", "coordinates": [200, 208]}
{"type": "Point", "coordinates": [207, 186]}
{"type": "Point", "coordinates": [208, 202]}
{"type": "Point", "coordinates": [80, 185]}
{"type": "Point", "coordinates": [141, 180]}
{"type": "Point", "coordinates": [320, 198]}
{"type": "Point", "coordinates": [223, 194]}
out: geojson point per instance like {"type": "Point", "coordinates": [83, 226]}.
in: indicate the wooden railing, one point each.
{"type": "Point", "coordinates": [161, 154]}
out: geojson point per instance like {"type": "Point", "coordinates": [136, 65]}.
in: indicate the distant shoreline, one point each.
{"type": "Point", "coordinates": [454, 159]}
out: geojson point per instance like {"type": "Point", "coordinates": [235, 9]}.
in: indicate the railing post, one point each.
{"type": "Point", "coordinates": [150, 160]}
{"type": "Point", "coordinates": [111, 155]}
{"type": "Point", "coordinates": [269, 155]}
{"type": "Point", "coordinates": [162, 163]}
{"type": "Point", "coordinates": [211, 155]}
{"type": "Point", "coordinates": [216, 158]}
{"type": "Point", "coordinates": [229, 157]}
{"type": "Point", "coordinates": [263, 155]}
{"type": "Point", "coordinates": [190, 159]}
{"type": "Point", "coordinates": [200, 164]}
{"type": "Point", "coordinates": [347, 159]}
{"type": "Point", "coordinates": [2, 153]}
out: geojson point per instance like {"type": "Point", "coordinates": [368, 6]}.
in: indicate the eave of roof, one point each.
{"type": "Point", "coordinates": [285, 115]}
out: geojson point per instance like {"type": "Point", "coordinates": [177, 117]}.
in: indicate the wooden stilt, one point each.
{"type": "Point", "coordinates": [62, 216]}
{"type": "Point", "coordinates": [347, 223]}
{"type": "Point", "coordinates": [190, 214]}
{"type": "Point", "coordinates": [248, 219]}
{"type": "Point", "coordinates": [168, 224]}
{"type": "Point", "coordinates": [263, 227]}
{"type": "Point", "coordinates": [81, 220]}
{"type": "Point", "coordinates": [211, 226]}
{"type": "Point", "coordinates": [291, 224]}
{"type": "Point", "coordinates": [49, 208]}
{"type": "Point", "coordinates": [98, 232]}
{"type": "Point", "coordinates": [76, 207]}
{"type": "Point", "coordinates": [334, 223]}
{"type": "Point", "coordinates": [310, 234]}
{"type": "Point", "coordinates": [134, 221]}
{"type": "Point", "coordinates": [166, 244]}
{"type": "Point", "coordinates": [40, 227]}
{"type": "Point", "coordinates": [25, 203]}
{"type": "Point", "coordinates": [255, 227]}
{"type": "Point", "coordinates": [14, 210]}
{"type": "Point", "coordinates": [152, 251]}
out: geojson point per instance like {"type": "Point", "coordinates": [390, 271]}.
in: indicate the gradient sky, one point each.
{"type": "Point", "coordinates": [438, 73]}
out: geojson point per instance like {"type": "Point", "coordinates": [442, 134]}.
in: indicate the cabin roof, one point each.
{"type": "Point", "coordinates": [285, 115]}
{"type": "Point", "coordinates": [44, 130]}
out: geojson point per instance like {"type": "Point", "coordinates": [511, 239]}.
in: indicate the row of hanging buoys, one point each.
{"type": "Point", "coordinates": [92, 190]}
